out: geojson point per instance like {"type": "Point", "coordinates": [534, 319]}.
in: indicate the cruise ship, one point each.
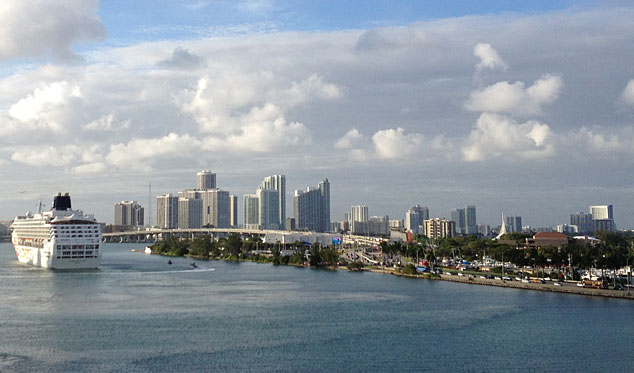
{"type": "Point", "coordinates": [61, 238]}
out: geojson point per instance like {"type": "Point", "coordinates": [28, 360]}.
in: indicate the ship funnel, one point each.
{"type": "Point", "coordinates": [61, 202]}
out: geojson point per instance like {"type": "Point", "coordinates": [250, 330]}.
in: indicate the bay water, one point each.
{"type": "Point", "coordinates": [137, 313]}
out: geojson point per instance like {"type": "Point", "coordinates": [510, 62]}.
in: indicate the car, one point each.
{"type": "Point", "coordinates": [557, 283]}
{"type": "Point", "coordinates": [618, 287]}
{"type": "Point", "coordinates": [460, 274]}
{"type": "Point", "coordinates": [580, 284]}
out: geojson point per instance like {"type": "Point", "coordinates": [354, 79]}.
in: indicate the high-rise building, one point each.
{"type": "Point", "coordinates": [465, 220]}
{"type": "Point", "coordinates": [167, 211]}
{"type": "Point", "coordinates": [458, 217]}
{"type": "Point", "coordinates": [128, 213]}
{"type": "Point", "coordinates": [414, 218]}
{"type": "Point", "coordinates": [216, 208]}
{"type": "Point", "coordinates": [471, 224]}
{"type": "Point", "coordinates": [439, 228]}
{"type": "Point", "coordinates": [251, 205]}
{"type": "Point", "coordinates": [312, 207]}
{"type": "Point", "coordinates": [513, 223]}
{"type": "Point", "coordinates": [205, 180]}
{"type": "Point", "coordinates": [277, 183]}
{"type": "Point", "coordinates": [233, 210]}
{"type": "Point", "coordinates": [268, 206]}
{"type": "Point", "coordinates": [359, 213]}
{"type": "Point", "coordinates": [583, 222]}
{"type": "Point", "coordinates": [600, 212]}
{"type": "Point", "coordinates": [189, 213]}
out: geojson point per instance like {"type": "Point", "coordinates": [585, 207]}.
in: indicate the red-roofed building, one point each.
{"type": "Point", "coordinates": [541, 239]}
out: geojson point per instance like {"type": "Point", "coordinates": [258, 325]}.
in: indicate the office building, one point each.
{"type": "Point", "coordinates": [484, 230]}
{"type": "Point", "coordinates": [601, 212]}
{"type": "Point", "coordinates": [189, 213]}
{"type": "Point", "coordinates": [312, 207]}
{"type": "Point", "coordinates": [268, 208]}
{"type": "Point", "coordinates": [458, 217]}
{"type": "Point", "coordinates": [414, 218]}
{"type": "Point", "coordinates": [167, 211]}
{"type": "Point", "coordinates": [251, 206]}
{"type": "Point", "coordinates": [439, 228]}
{"type": "Point", "coordinates": [233, 211]}
{"type": "Point", "coordinates": [205, 180]}
{"type": "Point", "coordinates": [465, 220]}
{"type": "Point", "coordinates": [290, 224]}
{"type": "Point", "coordinates": [374, 226]}
{"type": "Point", "coordinates": [583, 222]}
{"type": "Point", "coordinates": [513, 223]}
{"type": "Point", "coordinates": [277, 183]}
{"type": "Point", "coordinates": [128, 213]}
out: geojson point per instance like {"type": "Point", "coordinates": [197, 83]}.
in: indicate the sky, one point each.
{"type": "Point", "coordinates": [523, 107]}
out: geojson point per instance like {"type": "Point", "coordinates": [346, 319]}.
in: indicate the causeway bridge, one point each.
{"type": "Point", "coordinates": [272, 236]}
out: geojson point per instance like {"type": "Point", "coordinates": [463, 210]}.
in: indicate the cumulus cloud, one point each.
{"type": "Point", "coordinates": [44, 108]}
{"type": "Point", "coordinates": [46, 156]}
{"type": "Point", "coordinates": [489, 58]}
{"type": "Point", "coordinates": [500, 136]}
{"type": "Point", "coordinates": [597, 142]}
{"type": "Point", "coordinates": [181, 58]}
{"type": "Point", "coordinates": [395, 144]}
{"type": "Point", "coordinates": [351, 139]}
{"type": "Point", "coordinates": [263, 129]}
{"type": "Point", "coordinates": [504, 97]}
{"type": "Point", "coordinates": [137, 152]}
{"type": "Point", "coordinates": [47, 27]}
{"type": "Point", "coordinates": [628, 93]}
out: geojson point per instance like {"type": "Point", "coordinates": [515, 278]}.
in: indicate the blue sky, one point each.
{"type": "Point", "coordinates": [142, 20]}
{"type": "Point", "coordinates": [523, 108]}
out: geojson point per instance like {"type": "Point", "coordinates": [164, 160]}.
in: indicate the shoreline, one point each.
{"type": "Point", "coordinates": [606, 293]}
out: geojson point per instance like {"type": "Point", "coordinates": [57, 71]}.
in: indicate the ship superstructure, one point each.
{"type": "Point", "coordinates": [61, 238]}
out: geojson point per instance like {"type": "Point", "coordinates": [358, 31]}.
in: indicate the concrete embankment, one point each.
{"type": "Point", "coordinates": [568, 288]}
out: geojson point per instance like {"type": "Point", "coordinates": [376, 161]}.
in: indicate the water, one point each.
{"type": "Point", "coordinates": [139, 314]}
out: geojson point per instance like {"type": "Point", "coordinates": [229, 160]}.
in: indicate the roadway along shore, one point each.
{"type": "Point", "coordinates": [569, 289]}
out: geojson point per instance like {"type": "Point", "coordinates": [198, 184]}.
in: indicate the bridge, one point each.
{"type": "Point", "coordinates": [267, 236]}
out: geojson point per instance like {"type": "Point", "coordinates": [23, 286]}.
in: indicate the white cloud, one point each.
{"type": "Point", "coordinates": [44, 108]}
{"type": "Point", "coordinates": [628, 93]}
{"type": "Point", "coordinates": [107, 122]}
{"type": "Point", "coordinates": [351, 139]}
{"type": "Point", "coordinates": [504, 97]}
{"type": "Point", "coordinates": [47, 27]}
{"type": "Point", "coordinates": [595, 141]}
{"type": "Point", "coordinates": [500, 136]}
{"type": "Point", "coordinates": [263, 129]}
{"type": "Point", "coordinates": [46, 156]}
{"type": "Point", "coordinates": [136, 153]}
{"type": "Point", "coordinates": [90, 168]}
{"type": "Point", "coordinates": [396, 144]}
{"type": "Point", "coordinates": [489, 58]}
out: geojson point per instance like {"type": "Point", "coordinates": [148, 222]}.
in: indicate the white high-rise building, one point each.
{"type": "Point", "coordinates": [189, 213]}
{"type": "Point", "coordinates": [277, 183]}
{"type": "Point", "coordinates": [359, 213]}
{"type": "Point", "coordinates": [206, 180]}
{"type": "Point", "coordinates": [167, 211]}
{"type": "Point", "coordinates": [128, 213]}
{"type": "Point", "coordinates": [233, 210]}
{"type": "Point", "coordinates": [601, 212]}
{"type": "Point", "coordinates": [268, 206]}
{"type": "Point", "coordinates": [414, 218]}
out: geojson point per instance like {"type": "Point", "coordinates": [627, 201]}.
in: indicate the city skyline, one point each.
{"type": "Point", "coordinates": [523, 108]}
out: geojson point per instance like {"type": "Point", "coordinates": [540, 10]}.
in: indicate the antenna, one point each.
{"type": "Point", "coordinates": [39, 206]}
{"type": "Point", "coordinates": [149, 220]}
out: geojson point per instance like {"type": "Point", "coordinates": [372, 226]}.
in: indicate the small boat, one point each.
{"type": "Point", "coordinates": [193, 265]}
{"type": "Point", "coordinates": [169, 261]}
{"type": "Point", "coordinates": [148, 250]}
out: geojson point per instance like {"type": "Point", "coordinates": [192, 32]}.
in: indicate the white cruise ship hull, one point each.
{"type": "Point", "coordinates": [46, 258]}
